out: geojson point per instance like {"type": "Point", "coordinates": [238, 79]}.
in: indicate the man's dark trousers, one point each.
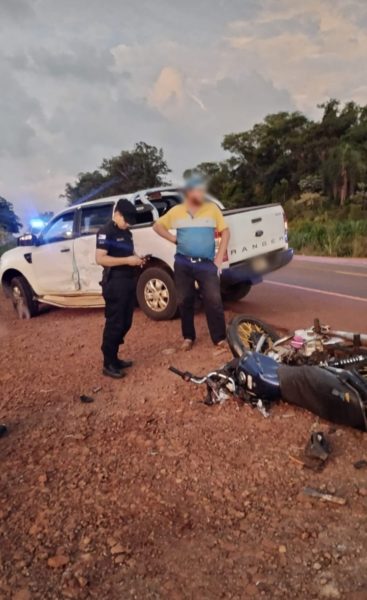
{"type": "Point", "coordinates": [205, 273]}
{"type": "Point", "coordinates": [119, 296]}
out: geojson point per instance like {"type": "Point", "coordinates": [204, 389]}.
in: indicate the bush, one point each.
{"type": "Point", "coordinates": [329, 237]}
{"type": "Point", "coordinates": [7, 246]}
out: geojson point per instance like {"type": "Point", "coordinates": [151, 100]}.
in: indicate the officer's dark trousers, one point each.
{"type": "Point", "coordinates": [119, 296]}
{"type": "Point", "coordinates": [206, 274]}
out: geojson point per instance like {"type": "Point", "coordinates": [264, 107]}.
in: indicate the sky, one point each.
{"type": "Point", "coordinates": [83, 79]}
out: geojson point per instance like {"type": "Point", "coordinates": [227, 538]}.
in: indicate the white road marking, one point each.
{"type": "Point", "coordinates": [351, 273]}
{"type": "Point", "coordinates": [325, 292]}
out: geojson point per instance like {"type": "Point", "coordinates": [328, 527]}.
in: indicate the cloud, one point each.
{"type": "Point", "coordinates": [314, 49]}
{"type": "Point", "coordinates": [19, 117]}
{"type": "Point", "coordinates": [15, 10]}
{"type": "Point", "coordinates": [167, 93]}
{"type": "Point", "coordinates": [82, 82]}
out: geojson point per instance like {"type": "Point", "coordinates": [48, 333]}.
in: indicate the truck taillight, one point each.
{"type": "Point", "coordinates": [285, 227]}
{"type": "Point", "coordinates": [217, 237]}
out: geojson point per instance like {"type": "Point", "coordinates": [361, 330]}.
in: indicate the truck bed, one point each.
{"type": "Point", "coordinates": [255, 231]}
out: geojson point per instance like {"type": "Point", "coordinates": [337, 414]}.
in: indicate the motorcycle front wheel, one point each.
{"type": "Point", "coordinates": [244, 333]}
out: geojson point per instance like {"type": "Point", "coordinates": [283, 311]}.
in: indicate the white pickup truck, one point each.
{"type": "Point", "coordinates": [58, 266]}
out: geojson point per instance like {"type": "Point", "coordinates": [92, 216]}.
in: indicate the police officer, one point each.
{"type": "Point", "coordinates": [115, 252]}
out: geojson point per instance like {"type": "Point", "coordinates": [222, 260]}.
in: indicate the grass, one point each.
{"type": "Point", "coordinates": [332, 237]}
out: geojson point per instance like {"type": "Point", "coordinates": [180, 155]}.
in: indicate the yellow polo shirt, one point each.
{"type": "Point", "coordinates": [195, 233]}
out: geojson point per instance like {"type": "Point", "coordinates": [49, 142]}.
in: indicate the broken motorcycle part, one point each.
{"type": "Point", "coordinates": [314, 493]}
{"type": "Point", "coordinates": [316, 345]}
{"type": "Point", "coordinates": [3, 430]}
{"type": "Point", "coordinates": [318, 446]}
{"type": "Point", "coordinates": [86, 399]}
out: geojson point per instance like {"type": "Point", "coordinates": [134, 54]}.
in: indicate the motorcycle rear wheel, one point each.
{"type": "Point", "coordinates": [243, 333]}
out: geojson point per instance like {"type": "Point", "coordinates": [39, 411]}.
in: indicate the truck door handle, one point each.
{"type": "Point", "coordinates": [65, 250]}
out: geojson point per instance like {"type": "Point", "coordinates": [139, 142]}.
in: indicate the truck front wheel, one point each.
{"type": "Point", "coordinates": [156, 294]}
{"type": "Point", "coordinates": [22, 297]}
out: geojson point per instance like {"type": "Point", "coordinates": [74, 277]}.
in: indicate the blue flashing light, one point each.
{"type": "Point", "coordinates": [36, 224]}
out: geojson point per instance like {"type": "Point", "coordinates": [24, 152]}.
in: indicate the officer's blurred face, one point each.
{"type": "Point", "coordinates": [119, 220]}
{"type": "Point", "coordinates": [195, 195]}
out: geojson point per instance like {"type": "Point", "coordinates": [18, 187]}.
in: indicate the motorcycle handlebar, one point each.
{"type": "Point", "coordinates": [187, 376]}
{"type": "Point", "coordinates": [182, 374]}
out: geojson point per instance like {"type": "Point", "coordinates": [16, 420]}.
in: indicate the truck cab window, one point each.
{"type": "Point", "coordinates": [59, 230]}
{"type": "Point", "coordinates": [94, 217]}
{"type": "Point", "coordinates": [165, 202]}
{"type": "Point", "coordinates": [144, 213]}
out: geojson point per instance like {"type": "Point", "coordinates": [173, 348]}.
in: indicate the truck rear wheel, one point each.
{"type": "Point", "coordinates": [23, 298]}
{"type": "Point", "coordinates": [156, 294]}
{"type": "Point", "coordinates": [236, 292]}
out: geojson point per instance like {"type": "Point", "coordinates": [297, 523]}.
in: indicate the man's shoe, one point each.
{"type": "Point", "coordinates": [123, 364]}
{"type": "Point", "coordinates": [187, 345]}
{"type": "Point", "coordinates": [112, 371]}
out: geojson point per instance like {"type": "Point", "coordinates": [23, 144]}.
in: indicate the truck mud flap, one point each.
{"type": "Point", "coordinates": [339, 397]}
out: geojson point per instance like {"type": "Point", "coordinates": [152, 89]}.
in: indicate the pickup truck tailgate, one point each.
{"type": "Point", "coordinates": [255, 231]}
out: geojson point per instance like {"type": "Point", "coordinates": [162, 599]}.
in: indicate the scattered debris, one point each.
{"type": "Point", "coordinates": [60, 560]}
{"type": "Point", "coordinates": [3, 430]}
{"type": "Point", "coordinates": [296, 460]}
{"type": "Point", "coordinates": [314, 493]}
{"type": "Point", "coordinates": [329, 590]}
{"type": "Point", "coordinates": [315, 454]}
{"type": "Point", "coordinates": [362, 491]}
{"type": "Point", "coordinates": [97, 389]}
{"type": "Point", "coordinates": [318, 446]}
{"type": "Point", "coordinates": [360, 464]}
{"type": "Point", "coordinates": [119, 549]}
{"type": "Point", "coordinates": [86, 399]}
{"type": "Point", "coordinates": [168, 351]}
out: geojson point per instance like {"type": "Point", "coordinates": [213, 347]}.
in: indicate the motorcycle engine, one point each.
{"type": "Point", "coordinates": [305, 347]}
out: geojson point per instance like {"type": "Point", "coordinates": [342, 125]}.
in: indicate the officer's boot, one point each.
{"type": "Point", "coordinates": [111, 369]}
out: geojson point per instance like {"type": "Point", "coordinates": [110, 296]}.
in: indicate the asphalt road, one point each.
{"type": "Point", "coordinates": [335, 290]}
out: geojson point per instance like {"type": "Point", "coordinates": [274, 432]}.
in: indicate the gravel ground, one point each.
{"type": "Point", "coordinates": [146, 493]}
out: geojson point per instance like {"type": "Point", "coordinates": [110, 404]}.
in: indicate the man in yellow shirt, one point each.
{"type": "Point", "coordinates": [196, 221]}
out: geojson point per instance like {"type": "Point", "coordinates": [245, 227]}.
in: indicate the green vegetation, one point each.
{"type": "Point", "coordinates": [9, 224]}
{"type": "Point", "coordinates": [316, 170]}
{"type": "Point", "coordinates": [8, 246]}
{"type": "Point", "coordinates": [142, 167]}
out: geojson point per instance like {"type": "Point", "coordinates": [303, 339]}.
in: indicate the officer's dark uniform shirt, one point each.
{"type": "Point", "coordinates": [119, 243]}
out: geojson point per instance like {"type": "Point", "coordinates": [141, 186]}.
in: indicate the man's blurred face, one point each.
{"type": "Point", "coordinates": [195, 195]}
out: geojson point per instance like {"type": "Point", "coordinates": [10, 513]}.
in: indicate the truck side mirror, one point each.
{"type": "Point", "coordinates": [27, 239]}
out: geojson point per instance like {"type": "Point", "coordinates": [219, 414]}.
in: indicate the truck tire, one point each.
{"type": "Point", "coordinates": [23, 298]}
{"type": "Point", "coordinates": [236, 292]}
{"type": "Point", "coordinates": [156, 294]}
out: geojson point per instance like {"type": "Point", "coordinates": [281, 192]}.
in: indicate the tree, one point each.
{"type": "Point", "coordinates": [342, 170]}
{"type": "Point", "coordinates": [87, 187]}
{"type": "Point", "coordinates": [9, 222]}
{"type": "Point", "coordinates": [269, 155]}
{"type": "Point", "coordinates": [142, 167]}
{"type": "Point", "coordinates": [287, 154]}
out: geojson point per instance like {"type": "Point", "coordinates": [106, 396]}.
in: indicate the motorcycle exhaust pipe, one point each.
{"type": "Point", "coordinates": [358, 338]}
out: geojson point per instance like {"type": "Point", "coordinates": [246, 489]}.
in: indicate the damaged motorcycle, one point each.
{"type": "Point", "coordinates": [318, 369]}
